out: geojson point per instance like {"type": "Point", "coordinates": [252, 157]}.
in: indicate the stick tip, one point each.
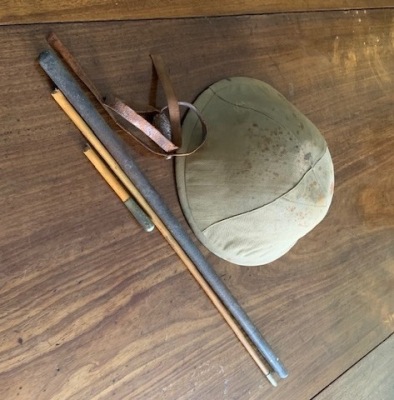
{"type": "Point", "coordinates": [272, 380]}
{"type": "Point", "coordinates": [51, 37]}
{"type": "Point", "coordinates": [149, 227]}
{"type": "Point", "coordinates": [44, 55]}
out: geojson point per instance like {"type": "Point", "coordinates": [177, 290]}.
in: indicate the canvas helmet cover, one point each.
{"type": "Point", "coordinates": [263, 179]}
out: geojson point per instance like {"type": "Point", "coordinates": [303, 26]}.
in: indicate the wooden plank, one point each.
{"type": "Point", "coordinates": [27, 12]}
{"type": "Point", "coordinates": [371, 378]}
{"type": "Point", "coordinates": [93, 308]}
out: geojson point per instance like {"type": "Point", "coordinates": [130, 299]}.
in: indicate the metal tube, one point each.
{"type": "Point", "coordinates": [55, 69]}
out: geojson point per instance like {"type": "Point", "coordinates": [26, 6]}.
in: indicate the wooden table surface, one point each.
{"type": "Point", "coordinates": [93, 308]}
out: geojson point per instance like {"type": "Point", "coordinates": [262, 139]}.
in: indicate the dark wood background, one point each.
{"type": "Point", "coordinates": [28, 12]}
{"type": "Point", "coordinates": [91, 307]}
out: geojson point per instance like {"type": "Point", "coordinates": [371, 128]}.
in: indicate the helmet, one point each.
{"type": "Point", "coordinates": [263, 179]}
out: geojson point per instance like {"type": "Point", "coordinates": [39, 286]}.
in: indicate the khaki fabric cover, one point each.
{"type": "Point", "coordinates": [263, 179]}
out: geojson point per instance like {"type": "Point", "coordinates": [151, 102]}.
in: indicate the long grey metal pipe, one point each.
{"type": "Point", "coordinates": [59, 74]}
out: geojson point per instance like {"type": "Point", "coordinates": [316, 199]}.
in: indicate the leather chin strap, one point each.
{"type": "Point", "coordinates": [124, 115]}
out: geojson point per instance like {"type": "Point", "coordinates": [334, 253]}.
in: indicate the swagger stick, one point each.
{"type": "Point", "coordinates": [68, 85]}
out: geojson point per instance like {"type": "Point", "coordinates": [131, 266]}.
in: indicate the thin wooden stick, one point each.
{"type": "Point", "coordinates": [134, 208]}
{"type": "Point", "coordinates": [91, 137]}
{"type": "Point", "coordinates": [115, 185]}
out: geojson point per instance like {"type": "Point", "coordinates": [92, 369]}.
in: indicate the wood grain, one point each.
{"type": "Point", "coordinates": [27, 12]}
{"type": "Point", "coordinates": [92, 308]}
{"type": "Point", "coordinates": [371, 378]}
